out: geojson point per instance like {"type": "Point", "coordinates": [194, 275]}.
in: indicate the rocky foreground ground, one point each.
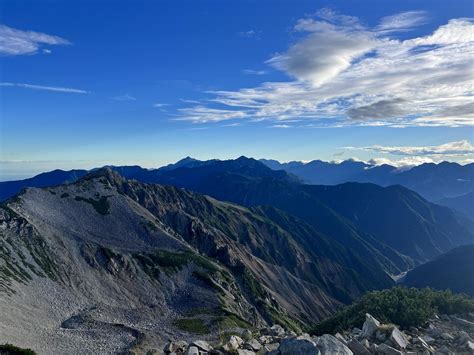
{"type": "Point", "coordinates": [442, 335]}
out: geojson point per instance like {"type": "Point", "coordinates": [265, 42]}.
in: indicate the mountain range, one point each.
{"type": "Point", "coordinates": [432, 181]}
{"type": "Point", "coordinates": [137, 255]}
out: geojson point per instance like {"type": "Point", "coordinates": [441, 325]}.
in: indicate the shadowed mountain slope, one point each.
{"type": "Point", "coordinates": [453, 270]}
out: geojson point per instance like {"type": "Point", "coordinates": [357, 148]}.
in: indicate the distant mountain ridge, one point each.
{"type": "Point", "coordinates": [416, 238]}
{"type": "Point", "coordinates": [433, 181]}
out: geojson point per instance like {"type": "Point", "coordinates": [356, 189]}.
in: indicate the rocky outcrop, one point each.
{"type": "Point", "coordinates": [442, 335]}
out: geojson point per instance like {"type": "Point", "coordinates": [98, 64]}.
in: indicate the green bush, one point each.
{"type": "Point", "coordinates": [402, 306]}
{"type": "Point", "coordinates": [9, 349]}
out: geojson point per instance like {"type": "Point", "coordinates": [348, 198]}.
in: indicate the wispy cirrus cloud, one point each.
{"type": "Point", "coordinates": [344, 73]}
{"type": "Point", "coordinates": [45, 88]}
{"type": "Point", "coordinates": [125, 97]}
{"type": "Point", "coordinates": [19, 42]}
{"type": "Point", "coordinates": [453, 149]}
{"type": "Point", "coordinates": [254, 72]}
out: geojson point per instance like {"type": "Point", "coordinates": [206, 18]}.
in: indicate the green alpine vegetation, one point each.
{"type": "Point", "coordinates": [402, 306]}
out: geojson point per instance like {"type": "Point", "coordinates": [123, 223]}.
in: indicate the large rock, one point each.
{"type": "Point", "coordinates": [277, 330]}
{"type": "Point", "coordinates": [233, 344]}
{"type": "Point", "coordinates": [245, 352]}
{"type": "Point", "coordinates": [371, 325]}
{"type": "Point", "coordinates": [398, 339]}
{"type": "Point", "coordinates": [192, 350]}
{"type": "Point", "coordinates": [329, 344]}
{"type": "Point", "coordinates": [175, 347]}
{"type": "Point", "coordinates": [357, 347]}
{"type": "Point", "coordinates": [298, 346]}
{"type": "Point", "coordinates": [253, 345]}
{"type": "Point", "coordinates": [202, 345]}
{"type": "Point", "coordinates": [388, 350]}
{"type": "Point", "coordinates": [247, 334]}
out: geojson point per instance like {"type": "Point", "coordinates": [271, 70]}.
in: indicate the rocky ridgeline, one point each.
{"type": "Point", "coordinates": [443, 335]}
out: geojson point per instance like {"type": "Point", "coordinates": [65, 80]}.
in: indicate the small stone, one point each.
{"type": "Point", "coordinates": [463, 337]}
{"type": "Point", "coordinates": [388, 350]}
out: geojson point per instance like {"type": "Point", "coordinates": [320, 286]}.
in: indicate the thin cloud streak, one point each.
{"type": "Point", "coordinates": [46, 88]}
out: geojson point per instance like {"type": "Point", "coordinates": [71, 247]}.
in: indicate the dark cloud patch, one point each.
{"type": "Point", "coordinates": [378, 110]}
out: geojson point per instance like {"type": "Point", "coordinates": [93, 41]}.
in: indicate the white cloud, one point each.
{"type": "Point", "coordinates": [402, 21]}
{"type": "Point", "coordinates": [18, 42]}
{"type": "Point", "coordinates": [203, 114]}
{"type": "Point", "coordinates": [158, 104]}
{"type": "Point", "coordinates": [453, 149]}
{"type": "Point", "coordinates": [401, 163]}
{"type": "Point", "coordinates": [125, 97]}
{"type": "Point", "coordinates": [345, 73]}
{"type": "Point", "coordinates": [280, 126]}
{"type": "Point", "coordinates": [250, 34]}
{"type": "Point", "coordinates": [46, 88]}
{"type": "Point", "coordinates": [254, 72]}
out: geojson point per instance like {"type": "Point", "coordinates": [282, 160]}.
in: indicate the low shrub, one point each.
{"type": "Point", "coordinates": [402, 306]}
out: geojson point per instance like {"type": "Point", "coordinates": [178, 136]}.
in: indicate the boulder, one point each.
{"type": "Point", "coordinates": [357, 348]}
{"type": "Point", "coordinates": [341, 338]}
{"type": "Point", "coordinates": [462, 322]}
{"type": "Point", "coordinates": [253, 345]}
{"type": "Point", "coordinates": [398, 339]}
{"type": "Point", "coordinates": [463, 337]}
{"type": "Point", "coordinates": [271, 347]}
{"type": "Point", "coordinates": [265, 339]}
{"type": "Point", "coordinates": [427, 339]}
{"type": "Point", "coordinates": [192, 350]}
{"type": "Point", "coordinates": [371, 325]}
{"type": "Point", "coordinates": [298, 346]}
{"type": "Point", "coordinates": [388, 350]}
{"type": "Point", "coordinates": [470, 346]}
{"type": "Point", "coordinates": [446, 336]}
{"type": "Point", "coordinates": [247, 334]}
{"type": "Point", "coordinates": [245, 352]}
{"type": "Point", "coordinates": [233, 343]}
{"type": "Point", "coordinates": [175, 347]}
{"type": "Point", "coordinates": [277, 330]}
{"type": "Point", "coordinates": [202, 345]}
{"type": "Point", "coordinates": [329, 344]}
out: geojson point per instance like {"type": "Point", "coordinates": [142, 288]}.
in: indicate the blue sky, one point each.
{"type": "Point", "coordinates": [88, 83]}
